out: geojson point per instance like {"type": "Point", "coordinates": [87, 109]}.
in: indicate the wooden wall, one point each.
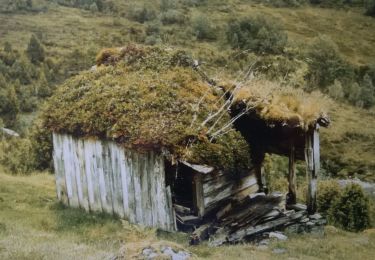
{"type": "Point", "coordinates": [211, 190]}
{"type": "Point", "coordinates": [102, 176]}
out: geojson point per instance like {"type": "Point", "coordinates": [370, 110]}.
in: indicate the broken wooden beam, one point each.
{"type": "Point", "coordinates": [202, 233]}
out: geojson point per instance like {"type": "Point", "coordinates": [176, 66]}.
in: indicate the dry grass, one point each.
{"type": "Point", "coordinates": [33, 226]}
{"type": "Point", "coordinates": [274, 102]}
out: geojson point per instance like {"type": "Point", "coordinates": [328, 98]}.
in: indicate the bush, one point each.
{"type": "Point", "coordinates": [35, 50]}
{"type": "Point", "coordinates": [326, 65]}
{"type": "Point", "coordinates": [142, 14]}
{"type": "Point", "coordinates": [41, 140]}
{"type": "Point", "coordinates": [328, 192]}
{"type": "Point", "coordinates": [203, 29]}
{"type": "Point", "coordinates": [16, 155]}
{"type": "Point", "coordinates": [172, 17]}
{"type": "Point", "coordinates": [351, 210]}
{"type": "Point", "coordinates": [256, 34]}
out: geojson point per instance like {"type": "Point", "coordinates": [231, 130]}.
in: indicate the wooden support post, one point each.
{"type": "Point", "coordinates": [198, 198]}
{"type": "Point", "coordinates": [257, 157]}
{"type": "Point", "coordinates": [312, 156]}
{"type": "Point", "coordinates": [292, 197]}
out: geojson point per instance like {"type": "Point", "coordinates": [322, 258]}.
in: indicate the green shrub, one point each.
{"type": "Point", "coordinates": [153, 40]}
{"type": "Point", "coordinates": [326, 65]}
{"type": "Point", "coordinates": [328, 192]}
{"type": "Point", "coordinates": [203, 28]}
{"type": "Point", "coordinates": [16, 155]}
{"type": "Point", "coordinates": [256, 34]}
{"type": "Point", "coordinates": [172, 17]}
{"type": "Point", "coordinates": [35, 50]}
{"type": "Point", "coordinates": [351, 210]}
{"type": "Point", "coordinates": [142, 14]}
{"type": "Point", "coordinates": [41, 140]}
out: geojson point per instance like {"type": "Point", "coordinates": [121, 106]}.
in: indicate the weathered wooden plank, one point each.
{"type": "Point", "coordinates": [159, 186]}
{"type": "Point", "coordinates": [198, 194]}
{"type": "Point", "coordinates": [125, 182]}
{"type": "Point", "coordinates": [316, 150]}
{"type": "Point", "coordinates": [131, 187]}
{"type": "Point", "coordinates": [96, 176]}
{"type": "Point", "coordinates": [108, 176]}
{"type": "Point", "coordinates": [171, 224]}
{"type": "Point", "coordinates": [137, 187]}
{"type": "Point", "coordinates": [240, 195]}
{"type": "Point", "coordinates": [292, 194]}
{"type": "Point", "coordinates": [218, 196]}
{"type": "Point", "coordinates": [212, 176]}
{"type": "Point", "coordinates": [117, 196]}
{"type": "Point", "coordinates": [69, 172]}
{"type": "Point", "coordinates": [310, 174]}
{"type": "Point", "coordinates": [80, 172]}
{"type": "Point", "coordinates": [145, 192]}
{"type": "Point", "coordinates": [153, 189]}
{"type": "Point", "coordinates": [90, 162]}
{"type": "Point", "coordinates": [217, 183]}
{"type": "Point", "coordinates": [76, 170]}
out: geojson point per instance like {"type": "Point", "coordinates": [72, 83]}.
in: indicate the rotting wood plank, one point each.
{"type": "Point", "coordinates": [132, 194]}
{"type": "Point", "coordinates": [108, 177]}
{"type": "Point", "coordinates": [145, 192]}
{"type": "Point", "coordinates": [95, 174]}
{"type": "Point", "coordinates": [82, 174]}
{"type": "Point", "coordinates": [137, 187]}
{"type": "Point", "coordinates": [117, 199]}
{"type": "Point", "coordinates": [153, 189]}
{"type": "Point", "coordinates": [172, 225]}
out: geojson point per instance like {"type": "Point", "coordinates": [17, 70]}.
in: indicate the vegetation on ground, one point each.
{"type": "Point", "coordinates": [34, 226]}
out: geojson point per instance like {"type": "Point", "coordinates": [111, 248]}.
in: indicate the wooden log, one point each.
{"type": "Point", "coordinates": [181, 210]}
{"type": "Point", "coordinates": [253, 230]}
{"type": "Point", "coordinates": [202, 233]}
{"type": "Point", "coordinates": [292, 187]}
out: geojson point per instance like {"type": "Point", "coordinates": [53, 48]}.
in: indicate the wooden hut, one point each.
{"type": "Point", "coordinates": [128, 139]}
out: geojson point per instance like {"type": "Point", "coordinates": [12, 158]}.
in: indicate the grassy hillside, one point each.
{"type": "Point", "coordinates": [71, 37]}
{"type": "Point", "coordinates": [34, 226]}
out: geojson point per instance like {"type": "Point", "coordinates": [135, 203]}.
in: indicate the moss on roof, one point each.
{"type": "Point", "coordinates": [146, 98]}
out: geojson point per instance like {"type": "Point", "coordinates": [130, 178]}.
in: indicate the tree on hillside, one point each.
{"type": "Point", "coordinates": [7, 47]}
{"type": "Point", "coordinates": [326, 64]}
{"type": "Point", "coordinates": [367, 95]}
{"type": "Point", "coordinates": [370, 8]}
{"type": "Point", "coordinates": [256, 34]}
{"type": "Point", "coordinates": [9, 106]}
{"type": "Point", "coordinates": [35, 50]}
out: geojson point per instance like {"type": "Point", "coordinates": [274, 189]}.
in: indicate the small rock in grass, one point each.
{"type": "Point", "coordinates": [279, 250]}
{"type": "Point", "coordinates": [278, 235]}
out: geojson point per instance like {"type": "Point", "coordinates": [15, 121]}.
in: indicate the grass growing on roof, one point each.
{"type": "Point", "coordinates": [276, 103]}
{"type": "Point", "coordinates": [148, 100]}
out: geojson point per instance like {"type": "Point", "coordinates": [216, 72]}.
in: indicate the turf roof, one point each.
{"type": "Point", "coordinates": [147, 98]}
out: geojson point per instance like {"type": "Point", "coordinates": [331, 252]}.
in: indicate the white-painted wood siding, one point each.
{"type": "Point", "coordinates": [102, 176]}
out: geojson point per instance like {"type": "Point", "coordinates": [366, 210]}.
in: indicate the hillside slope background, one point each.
{"type": "Point", "coordinates": [325, 46]}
